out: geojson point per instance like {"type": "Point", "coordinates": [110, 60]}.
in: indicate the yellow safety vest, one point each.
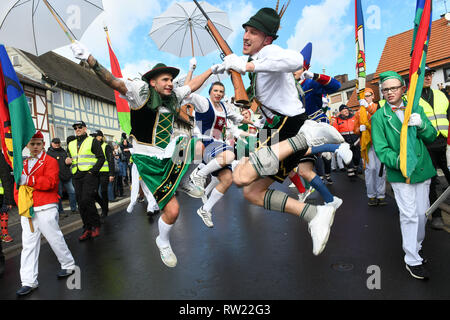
{"type": "Point", "coordinates": [2, 191]}
{"type": "Point", "coordinates": [438, 114]}
{"type": "Point", "coordinates": [82, 159]}
{"type": "Point", "coordinates": [105, 167]}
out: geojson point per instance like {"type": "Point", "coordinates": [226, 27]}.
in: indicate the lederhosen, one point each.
{"type": "Point", "coordinates": [277, 129]}
{"type": "Point", "coordinates": [162, 176]}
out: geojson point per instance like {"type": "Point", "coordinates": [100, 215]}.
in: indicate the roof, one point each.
{"type": "Point", "coordinates": [31, 82]}
{"type": "Point", "coordinates": [70, 74]}
{"type": "Point", "coordinates": [396, 53]}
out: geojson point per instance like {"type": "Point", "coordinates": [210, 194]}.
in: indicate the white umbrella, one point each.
{"type": "Point", "coordinates": [180, 30]}
{"type": "Point", "coordinates": [41, 26]}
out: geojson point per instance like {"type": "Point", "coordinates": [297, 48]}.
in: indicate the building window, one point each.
{"type": "Point", "coordinates": [336, 99]}
{"type": "Point", "coordinates": [57, 98]}
{"type": "Point", "coordinates": [68, 103]}
{"type": "Point", "coordinates": [349, 94]}
{"type": "Point", "coordinates": [60, 133]}
{"type": "Point", "coordinates": [15, 61]}
{"type": "Point", "coordinates": [447, 75]}
{"type": "Point", "coordinates": [87, 104]}
{"type": "Point", "coordinates": [31, 104]}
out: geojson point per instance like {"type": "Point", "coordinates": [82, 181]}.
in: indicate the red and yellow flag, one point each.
{"type": "Point", "coordinates": [421, 40]}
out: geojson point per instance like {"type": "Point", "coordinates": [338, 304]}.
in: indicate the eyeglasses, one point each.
{"type": "Point", "coordinates": [392, 89]}
{"type": "Point", "coordinates": [77, 127]}
{"type": "Point", "coordinates": [368, 95]}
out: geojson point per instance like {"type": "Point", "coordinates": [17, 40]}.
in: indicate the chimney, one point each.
{"type": "Point", "coordinates": [342, 78]}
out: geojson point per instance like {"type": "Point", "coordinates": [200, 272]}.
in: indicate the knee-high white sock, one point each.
{"type": "Point", "coordinates": [214, 182]}
{"type": "Point", "coordinates": [210, 168]}
{"type": "Point", "coordinates": [212, 200]}
{"type": "Point", "coordinates": [164, 232]}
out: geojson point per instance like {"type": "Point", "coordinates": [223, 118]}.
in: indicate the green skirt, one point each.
{"type": "Point", "coordinates": [162, 177]}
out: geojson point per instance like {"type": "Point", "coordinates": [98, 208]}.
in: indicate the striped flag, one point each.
{"type": "Point", "coordinates": [16, 124]}
{"type": "Point", "coordinates": [360, 51]}
{"type": "Point", "coordinates": [421, 39]}
{"type": "Point", "coordinates": [123, 110]}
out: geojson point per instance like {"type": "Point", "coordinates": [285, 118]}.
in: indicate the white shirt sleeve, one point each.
{"type": "Point", "coordinates": [200, 103]}
{"type": "Point", "coordinates": [138, 93]}
{"type": "Point", "coordinates": [273, 58]}
{"type": "Point", "coordinates": [235, 117]}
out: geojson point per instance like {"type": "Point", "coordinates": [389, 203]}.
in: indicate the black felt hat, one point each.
{"type": "Point", "coordinates": [160, 68]}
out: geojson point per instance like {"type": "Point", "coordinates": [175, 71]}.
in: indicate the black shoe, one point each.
{"type": "Point", "coordinates": [2, 266]}
{"type": "Point", "coordinates": [372, 202]}
{"type": "Point", "coordinates": [328, 180]}
{"type": "Point", "coordinates": [24, 290]}
{"type": "Point", "coordinates": [418, 272]}
{"type": "Point", "coordinates": [424, 259]}
{"type": "Point", "coordinates": [64, 273]}
{"type": "Point", "coordinates": [382, 202]}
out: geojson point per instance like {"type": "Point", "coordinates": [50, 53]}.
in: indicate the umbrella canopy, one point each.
{"type": "Point", "coordinates": [31, 25]}
{"type": "Point", "coordinates": [180, 30]}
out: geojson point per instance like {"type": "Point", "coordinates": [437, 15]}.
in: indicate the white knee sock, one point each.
{"type": "Point", "coordinates": [212, 200]}
{"type": "Point", "coordinates": [210, 168]}
{"type": "Point", "coordinates": [214, 182]}
{"type": "Point", "coordinates": [164, 232]}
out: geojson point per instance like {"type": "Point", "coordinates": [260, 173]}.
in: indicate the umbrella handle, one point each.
{"type": "Point", "coordinates": [192, 39]}
{"type": "Point", "coordinates": [59, 21]}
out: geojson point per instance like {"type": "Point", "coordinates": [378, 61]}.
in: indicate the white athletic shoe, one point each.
{"type": "Point", "coordinates": [336, 203]}
{"type": "Point", "coordinates": [319, 133]}
{"type": "Point", "coordinates": [302, 196]}
{"type": "Point", "coordinates": [130, 207]}
{"type": "Point", "coordinates": [206, 217]}
{"type": "Point", "coordinates": [167, 255]}
{"type": "Point", "coordinates": [191, 190]}
{"type": "Point", "coordinates": [345, 153]}
{"type": "Point", "coordinates": [198, 180]}
{"type": "Point", "coordinates": [319, 228]}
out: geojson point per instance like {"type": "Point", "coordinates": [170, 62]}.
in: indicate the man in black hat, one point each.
{"type": "Point", "coordinates": [86, 159]}
{"type": "Point", "coordinates": [154, 105]}
{"type": "Point", "coordinates": [65, 175]}
{"type": "Point", "coordinates": [435, 104]}
{"type": "Point", "coordinates": [273, 86]}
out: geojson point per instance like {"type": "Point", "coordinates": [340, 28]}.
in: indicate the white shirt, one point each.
{"type": "Point", "coordinates": [137, 96]}
{"type": "Point", "coordinates": [275, 82]}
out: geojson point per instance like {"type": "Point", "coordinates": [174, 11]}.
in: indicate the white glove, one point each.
{"type": "Point", "coordinates": [218, 68]}
{"type": "Point", "coordinates": [362, 128]}
{"type": "Point", "coordinates": [363, 103]}
{"type": "Point", "coordinates": [415, 120]}
{"type": "Point", "coordinates": [308, 74]}
{"type": "Point", "coordinates": [448, 155]}
{"type": "Point", "coordinates": [324, 102]}
{"type": "Point", "coordinates": [23, 180]}
{"type": "Point", "coordinates": [192, 64]}
{"type": "Point", "coordinates": [233, 62]}
{"type": "Point", "coordinates": [80, 51]}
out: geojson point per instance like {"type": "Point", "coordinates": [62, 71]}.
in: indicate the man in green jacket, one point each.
{"type": "Point", "coordinates": [412, 198]}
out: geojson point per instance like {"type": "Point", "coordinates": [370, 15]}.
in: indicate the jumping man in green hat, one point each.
{"type": "Point", "coordinates": [286, 140]}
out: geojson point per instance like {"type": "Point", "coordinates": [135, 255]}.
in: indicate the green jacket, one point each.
{"type": "Point", "coordinates": [386, 128]}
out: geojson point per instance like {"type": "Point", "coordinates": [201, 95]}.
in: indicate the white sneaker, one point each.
{"type": "Point", "coordinates": [345, 153]}
{"type": "Point", "coordinates": [319, 228]}
{"type": "Point", "coordinates": [198, 180]}
{"type": "Point", "coordinates": [167, 255]}
{"type": "Point", "coordinates": [130, 207]}
{"type": "Point", "coordinates": [302, 196]}
{"type": "Point", "coordinates": [336, 203]}
{"type": "Point", "coordinates": [318, 133]}
{"type": "Point", "coordinates": [206, 217]}
{"type": "Point", "coordinates": [191, 190]}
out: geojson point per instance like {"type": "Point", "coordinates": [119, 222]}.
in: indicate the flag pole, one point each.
{"type": "Point", "coordinates": [66, 31]}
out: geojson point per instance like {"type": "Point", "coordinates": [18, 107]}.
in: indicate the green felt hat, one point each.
{"type": "Point", "coordinates": [391, 75]}
{"type": "Point", "coordinates": [266, 20]}
{"type": "Point", "coordinates": [160, 68]}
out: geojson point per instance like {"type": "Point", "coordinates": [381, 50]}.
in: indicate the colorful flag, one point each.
{"type": "Point", "coordinates": [16, 124]}
{"type": "Point", "coordinates": [421, 39]}
{"type": "Point", "coordinates": [360, 51]}
{"type": "Point", "coordinates": [123, 110]}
